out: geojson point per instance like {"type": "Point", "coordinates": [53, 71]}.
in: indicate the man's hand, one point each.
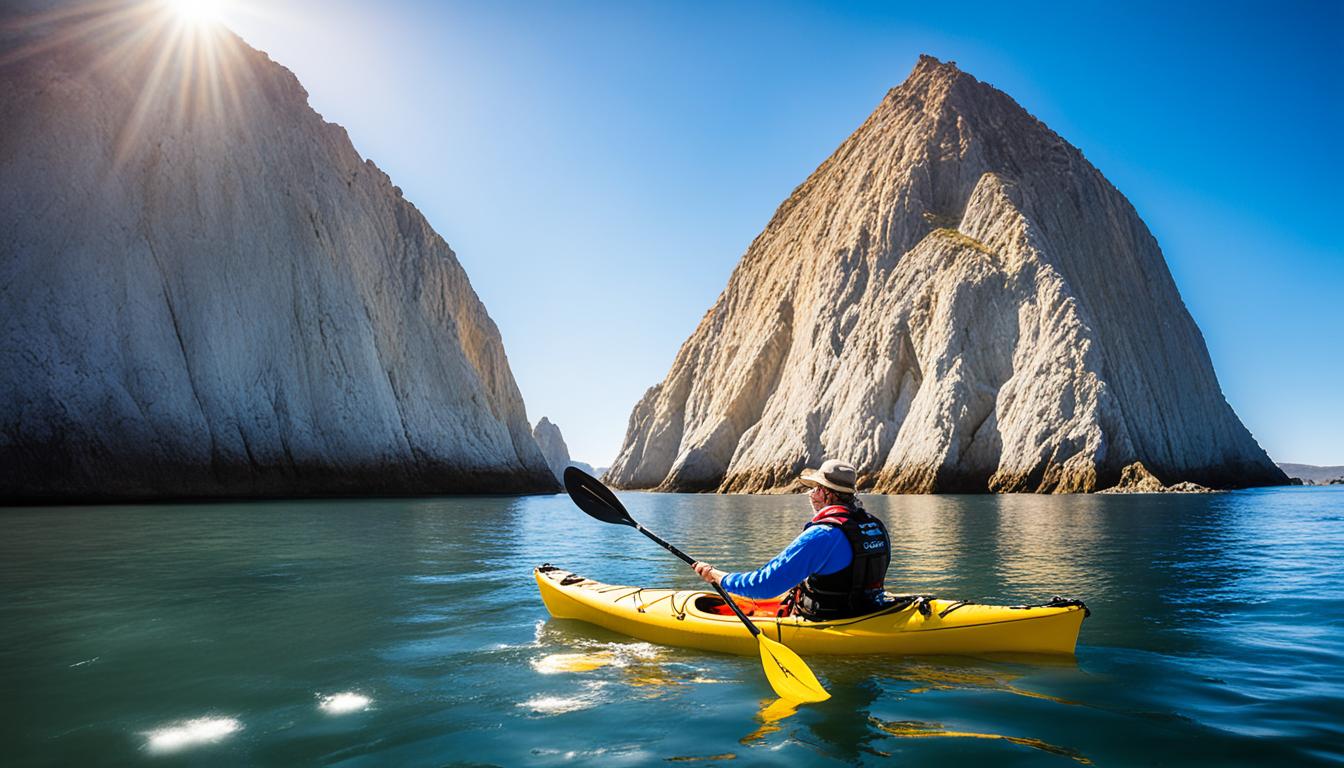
{"type": "Point", "coordinates": [708, 572]}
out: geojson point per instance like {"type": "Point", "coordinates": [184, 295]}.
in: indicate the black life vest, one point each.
{"type": "Point", "coordinates": [858, 588]}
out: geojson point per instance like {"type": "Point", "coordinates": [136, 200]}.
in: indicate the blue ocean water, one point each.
{"type": "Point", "coordinates": [409, 632]}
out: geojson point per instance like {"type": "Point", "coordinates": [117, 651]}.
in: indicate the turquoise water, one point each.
{"type": "Point", "coordinates": [409, 632]}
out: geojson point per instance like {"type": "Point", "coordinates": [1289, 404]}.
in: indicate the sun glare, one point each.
{"type": "Point", "coordinates": [190, 67]}
{"type": "Point", "coordinates": [198, 12]}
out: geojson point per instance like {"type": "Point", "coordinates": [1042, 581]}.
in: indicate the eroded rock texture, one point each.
{"type": "Point", "coordinates": [956, 300]}
{"type": "Point", "coordinates": [206, 291]}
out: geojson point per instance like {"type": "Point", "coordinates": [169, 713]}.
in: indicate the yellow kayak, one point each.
{"type": "Point", "coordinates": [910, 625]}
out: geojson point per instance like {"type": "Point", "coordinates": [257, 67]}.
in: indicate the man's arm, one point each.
{"type": "Point", "coordinates": [800, 559]}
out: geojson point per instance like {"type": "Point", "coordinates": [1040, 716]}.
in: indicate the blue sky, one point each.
{"type": "Point", "coordinates": [600, 168]}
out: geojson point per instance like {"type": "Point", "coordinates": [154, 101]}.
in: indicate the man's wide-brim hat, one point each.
{"type": "Point", "coordinates": [833, 474]}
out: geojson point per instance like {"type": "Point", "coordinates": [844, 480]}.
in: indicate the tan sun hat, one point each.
{"type": "Point", "coordinates": [834, 474]}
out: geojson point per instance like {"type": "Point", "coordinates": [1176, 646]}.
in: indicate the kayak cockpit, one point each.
{"type": "Point", "coordinates": [715, 606]}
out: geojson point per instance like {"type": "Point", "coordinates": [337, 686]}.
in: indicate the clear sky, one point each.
{"type": "Point", "coordinates": [600, 168]}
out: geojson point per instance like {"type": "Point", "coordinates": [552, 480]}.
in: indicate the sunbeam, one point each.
{"type": "Point", "coordinates": [187, 61]}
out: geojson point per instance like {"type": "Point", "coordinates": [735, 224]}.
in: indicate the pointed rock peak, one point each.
{"type": "Point", "coordinates": [976, 309]}
{"type": "Point", "coordinates": [940, 85]}
{"type": "Point", "coordinates": [547, 431]}
{"type": "Point", "coordinates": [933, 67]}
{"type": "Point", "coordinates": [552, 445]}
{"type": "Point", "coordinates": [932, 75]}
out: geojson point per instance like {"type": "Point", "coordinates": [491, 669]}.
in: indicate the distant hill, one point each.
{"type": "Point", "coordinates": [1312, 474]}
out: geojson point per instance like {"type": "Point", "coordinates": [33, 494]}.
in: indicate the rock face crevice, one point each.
{"type": "Point", "coordinates": [970, 307]}
{"type": "Point", "coordinates": [207, 292]}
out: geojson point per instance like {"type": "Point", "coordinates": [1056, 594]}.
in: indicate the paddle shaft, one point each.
{"type": "Point", "coordinates": [751, 625]}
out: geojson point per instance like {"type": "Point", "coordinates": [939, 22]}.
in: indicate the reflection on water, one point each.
{"type": "Point", "coordinates": [572, 662]}
{"type": "Point", "coordinates": [204, 730]}
{"type": "Point", "coordinates": [1217, 634]}
{"type": "Point", "coordinates": [344, 703]}
{"type": "Point", "coordinates": [915, 730]}
{"type": "Point", "coordinates": [773, 712]}
{"type": "Point", "coordinates": [928, 675]}
{"type": "Point", "coordinates": [639, 669]}
{"type": "Point", "coordinates": [559, 705]}
{"type": "Point", "coordinates": [1042, 544]}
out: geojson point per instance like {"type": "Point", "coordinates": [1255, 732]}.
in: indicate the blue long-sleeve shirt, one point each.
{"type": "Point", "coordinates": [821, 549]}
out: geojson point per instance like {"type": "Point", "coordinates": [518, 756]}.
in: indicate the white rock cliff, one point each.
{"type": "Point", "coordinates": [955, 300]}
{"type": "Point", "coordinates": [206, 291]}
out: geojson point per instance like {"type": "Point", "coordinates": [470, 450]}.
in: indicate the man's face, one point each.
{"type": "Point", "coordinates": [818, 497]}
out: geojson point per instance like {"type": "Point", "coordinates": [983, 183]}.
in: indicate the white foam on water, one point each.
{"type": "Point", "coordinates": [556, 705]}
{"type": "Point", "coordinates": [344, 703]}
{"type": "Point", "coordinates": [571, 662]}
{"type": "Point", "coordinates": [190, 733]}
{"type": "Point", "coordinates": [627, 652]}
{"type": "Point", "coordinates": [571, 754]}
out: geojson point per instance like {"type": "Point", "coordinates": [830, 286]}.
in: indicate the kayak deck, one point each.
{"type": "Point", "coordinates": [910, 625]}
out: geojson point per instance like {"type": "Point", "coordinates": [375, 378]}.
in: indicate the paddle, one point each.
{"type": "Point", "coordinates": [788, 674]}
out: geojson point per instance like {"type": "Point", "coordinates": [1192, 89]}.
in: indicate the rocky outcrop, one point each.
{"type": "Point", "coordinates": [1136, 478]}
{"type": "Point", "coordinates": [955, 300]}
{"type": "Point", "coordinates": [553, 447]}
{"type": "Point", "coordinates": [206, 292]}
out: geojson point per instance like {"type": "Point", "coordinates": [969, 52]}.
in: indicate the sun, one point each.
{"type": "Point", "coordinates": [198, 13]}
{"type": "Point", "coordinates": [190, 65]}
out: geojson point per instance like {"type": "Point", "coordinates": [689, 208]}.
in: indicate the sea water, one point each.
{"type": "Point", "coordinates": [410, 632]}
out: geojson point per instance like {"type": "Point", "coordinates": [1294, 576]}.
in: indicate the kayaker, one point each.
{"type": "Point", "coordinates": [835, 568]}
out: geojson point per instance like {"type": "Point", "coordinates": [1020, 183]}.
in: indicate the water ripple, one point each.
{"type": "Point", "coordinates": [1215, 637]}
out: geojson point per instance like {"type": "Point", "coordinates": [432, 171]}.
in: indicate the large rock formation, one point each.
{"type": "Point", "coordinates": [553, 447]}
{"type": "Point", "coordinates": [956, 300]}
{"type": "Point", "coordinates": [206, 292]}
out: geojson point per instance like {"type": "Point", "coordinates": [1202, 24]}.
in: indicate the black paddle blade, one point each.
{"type": "Point", "coordinates": [595, 498]}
